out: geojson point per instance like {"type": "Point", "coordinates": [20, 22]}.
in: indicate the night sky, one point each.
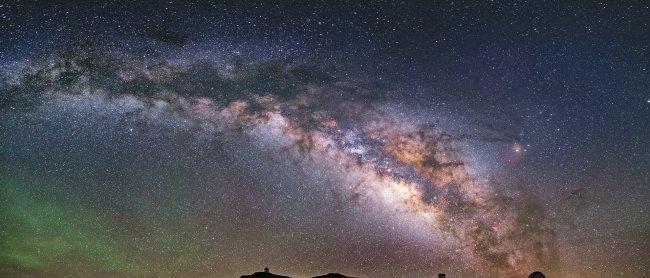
{"type": "Point", "coordinates": [370, 138]}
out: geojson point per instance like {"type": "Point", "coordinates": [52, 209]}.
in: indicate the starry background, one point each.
{"type": "Point", "coordinates": [372, 138]}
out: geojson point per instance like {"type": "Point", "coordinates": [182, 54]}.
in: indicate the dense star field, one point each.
{"type": "Point", "coordinates": [375, 139]}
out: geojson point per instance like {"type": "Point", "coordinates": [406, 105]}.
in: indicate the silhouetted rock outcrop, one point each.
{"type": "Point", "coordinates": [268, 274]}
{"type": "Point", "coordinates": [264, 275]}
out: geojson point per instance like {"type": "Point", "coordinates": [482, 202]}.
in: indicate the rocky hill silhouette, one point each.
{"type": "Point", "coordinates": [264, 275]}
{"type": "Point", "coordinates": [267, 274]}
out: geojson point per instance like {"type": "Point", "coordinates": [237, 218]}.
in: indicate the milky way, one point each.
{"type": "Point", "coordinates": [408, 170]}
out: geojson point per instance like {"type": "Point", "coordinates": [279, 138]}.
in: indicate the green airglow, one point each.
{"type": "Point", "coordinates": [38, 233]}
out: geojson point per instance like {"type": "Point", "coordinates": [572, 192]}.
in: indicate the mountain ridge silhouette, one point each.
{"type": "Point", "coordinates": [271, 275]}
